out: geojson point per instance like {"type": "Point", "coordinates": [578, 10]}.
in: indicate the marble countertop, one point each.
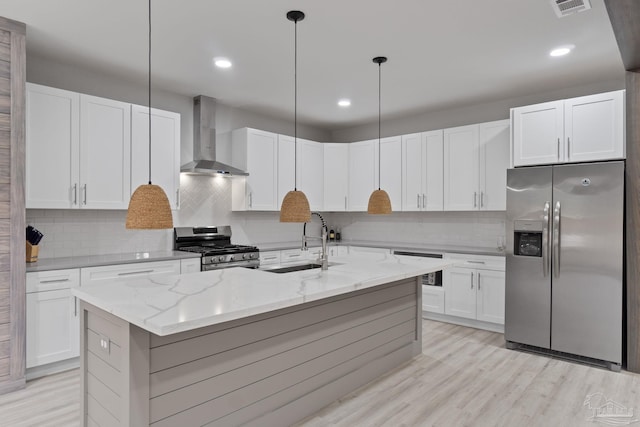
{"type": "Point", "coordinates": [427, 247]}
{"type": "Point", "coordinates": [170, 304]}
{"type": "Point", "coordinates": [110, 259]}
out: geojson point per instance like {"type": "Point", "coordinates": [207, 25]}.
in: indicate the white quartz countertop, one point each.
{"type": "Point", "coordinates": [169, 304]}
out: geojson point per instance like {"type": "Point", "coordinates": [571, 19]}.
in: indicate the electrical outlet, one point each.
{"type": "Point", "coordinates": [105, 344]}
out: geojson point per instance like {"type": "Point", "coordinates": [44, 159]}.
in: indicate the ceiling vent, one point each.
{"type": "Point", "coordinates": [569, 7]}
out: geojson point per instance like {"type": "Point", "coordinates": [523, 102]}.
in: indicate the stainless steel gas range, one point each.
{"type": "Point", "coordinates": [214, 244]}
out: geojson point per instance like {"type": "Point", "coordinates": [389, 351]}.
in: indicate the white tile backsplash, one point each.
{"type": "Point", "coordinates": [206, 200]}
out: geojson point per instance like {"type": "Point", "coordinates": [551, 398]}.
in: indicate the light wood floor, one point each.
{"type": "Point", "coordinates": [465, 377]}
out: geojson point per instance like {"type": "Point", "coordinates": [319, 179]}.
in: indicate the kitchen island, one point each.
{"type": "Point", "coordinates": [245, 347]}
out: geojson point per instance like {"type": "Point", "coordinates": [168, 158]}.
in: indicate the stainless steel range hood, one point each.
{"type": "Point", "coordinates": [204, 142]}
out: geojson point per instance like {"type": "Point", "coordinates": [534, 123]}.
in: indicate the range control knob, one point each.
{"type": "Point", "coordinates": [230, 257]}
{"type": "Point", "coordinates": [252, 255]}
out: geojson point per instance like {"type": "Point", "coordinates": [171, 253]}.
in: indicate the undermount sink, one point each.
{"type": "Point", "coordinates": [292, 268]}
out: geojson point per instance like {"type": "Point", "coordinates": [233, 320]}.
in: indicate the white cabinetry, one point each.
{"type": "Point", "coordinates": [109, 273]}
{"type": "Point", "coordinates": [269, 258]}
{"type": "Point", "coordinates": [105, 153]}
{"type": "Point", "coordinates": [336, 176]}
{"type": "Point", "coordinates": [422, 171]}
{"type": "Point", "coordinates": [579, 129]}
{"type": "Point", "coordinates": [494, 162]}
{"type": "Point", "coordinates": [165, 151]}
{"type": "Point", "coordinates": [391, 170]}
{"type": "Point", "coordinates": [53, 327]}
{"type": "Point", "coordinates": [363, 163]}
{"type": "Point", "coordinates": [52, 147]}
{"type": "Point", "coordinates": [338, 250]}
{"type": "Point", "coordinates": [289, 256]}
{"type": "Point", "coordinates": [476, 158]}
{"type": "Point", "coordinates": [190, 265]}
{"type": "Point", "coordinates": [461, 168]}
{"type": "Point", "coordinates": [286, 166]}
{"type": "Point", "coordinates": [310, 170]}
{"type": "Point", "coordinates": [256, 152]}
{"type": "Point", "coordinates": [433, 299]}
{"type": "Point", "coordinates": [368, 249]}
{"type": "Point", "coordinates": [475, 288]}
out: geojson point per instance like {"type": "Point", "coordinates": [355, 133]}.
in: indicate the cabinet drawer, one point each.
{"type": "Point", "coordinates": [486, 262]}
{"type": "Point", "coordinates": [292, 255]}
{"type": "Point", "coordinates": [270, 258]}
{"type": "Point", "coordinates": [52, 280]}
{"type": "Point", "coordinates": [93, 275]}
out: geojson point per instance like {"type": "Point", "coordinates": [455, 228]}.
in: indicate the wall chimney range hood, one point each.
{"type": "Point", "coordinates": [204, 142]}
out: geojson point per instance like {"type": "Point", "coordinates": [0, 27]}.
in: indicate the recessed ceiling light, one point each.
{"type": "Point", "coordinates": [561, 51]}
{"type": "Point", "coordinates": [344, 102]}
{"type": "Point", "coordinates": [222, 62]}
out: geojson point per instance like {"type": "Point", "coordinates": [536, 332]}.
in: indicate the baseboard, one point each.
{"type": "Point", "coordinates": [493, 327]}
{"type": "Point", "coordinates": [52, 368]}
{"type": "Point", "coordinates": [9, 386]}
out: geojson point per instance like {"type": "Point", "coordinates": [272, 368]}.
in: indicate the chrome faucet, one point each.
{"type": "Point", "coordinates": [323, 260]}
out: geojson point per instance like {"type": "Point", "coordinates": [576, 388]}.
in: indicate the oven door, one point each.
{"type": "Point", "coordinates": [249, 263]}
{"type": "Point", "coordinates": [429, 279]}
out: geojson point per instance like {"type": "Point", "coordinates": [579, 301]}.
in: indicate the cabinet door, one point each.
{"type": "Point", "coordinates": [433, 188]}
{"type": "Point", "coordinates": [53, 327]}
{"type": "Point", "coordinates": [490, 296]}
{"type": "Point", "coordinates": [594, 127]}
{"type": "Point", "coordinates": [269, 257]}
{"type": "Point", "coordinates": [362, 174]}
{"type": "Point", "coordinates": [310, 171]}
{"type": "Point", "coordinates": [413, 168]}
{"type": "Point", "coordinates": [391, 170]}
{"type": "Point", "coordinates": [286, 166]}
{"type": "Point", "coordinates": [336, 176]}
{"type": "Point", "coordinates": [105, 153]}
{"type": "Point", "coordinates": [460, 294]}
{"type": "Point", "coordinates": [165, 150]}
{"type": "Point", "coordinates": [461, 162]}
{"type": "Point", "coordinates": [433, 299]}
{"type": "Point", "coordinates": [52, 141]}
{"type": "Point", "coordinates": [494, 162]}
{"type": "Point", "coordinates": [538, 134]}
{"type": "Point", "coordinates": [262, 164]}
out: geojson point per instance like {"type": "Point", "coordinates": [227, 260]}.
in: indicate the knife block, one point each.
{"type": "Point", "coordinates": [32, 252]}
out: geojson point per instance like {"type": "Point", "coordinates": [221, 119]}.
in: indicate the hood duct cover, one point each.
{"type": "Point", "coordinates": [204, 142]}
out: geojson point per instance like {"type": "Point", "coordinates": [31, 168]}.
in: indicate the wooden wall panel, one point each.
{"type": "Point", "coordinates": [5, 165]}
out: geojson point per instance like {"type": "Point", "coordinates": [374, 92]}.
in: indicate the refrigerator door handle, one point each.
{"type": "Point", "coordinates": [556, 240]}
{"type": "Point", "coordinates": [545, 239]}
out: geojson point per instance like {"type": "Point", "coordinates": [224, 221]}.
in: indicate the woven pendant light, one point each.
{"type": "Point", "coordinates": [295, 206]}
{"type": "Point", "coordinates": [149, 206]}
{"type": "Point", "coordinates": [379, 202]}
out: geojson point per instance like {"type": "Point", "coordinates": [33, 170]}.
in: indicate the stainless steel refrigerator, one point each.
{"type": "Point", "coordinates": [564, 265]}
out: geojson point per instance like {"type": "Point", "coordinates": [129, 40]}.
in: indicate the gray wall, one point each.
{"type": "Point", "coordinates": [466, 115]}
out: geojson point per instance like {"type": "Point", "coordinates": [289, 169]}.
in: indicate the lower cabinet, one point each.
{"type": "Point", "coordinates": [338, 250]}
{"type": "Point", "coordinates": [433, 299]}
{"type": "Point", "coordinates": [474, 289]}
{"type": "Point", "coordinates": [368, 249]}
{"type": "Point", "coordinates": [269, 257]}
{"type": "Point", "coordinates": [53, 325]}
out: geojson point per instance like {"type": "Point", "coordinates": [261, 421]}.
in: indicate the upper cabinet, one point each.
{"type": "Point", "coordinates": [363, 177]}
{"type": "Point", "coordinates": [336, 176]}
{"type": "Point", "coordinates": [494, 162]}
{"type": "Point", "coordinates": [310, 168]}
{"type": "Point", "coordinates": [79, 151]}
{"type": "Point", "coordinates": [165, 151]}
{"type": "Point", "coordinates": [105, 153]}
{"type": "Point", "coordinates": [461, 168]}
{"type": "Point", "coordinates": [256, 152]}
{"type": "Point", "coordinates": [476, 158]}
{"type": "Point", "coordinates": [52, 147]}
{"type": "Point", "coordinates": [422, 171]}
{"type": "Point", "coordinates": [391, 170]}
{"type": "Point", "coordinates": [580, 129]}
{"type": "Point", "coordinates": [286, 166]}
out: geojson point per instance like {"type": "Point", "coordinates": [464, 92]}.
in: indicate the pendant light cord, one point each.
{"type": "Point", "coordinates": [149, 92]}
{"type": "Point", "coordinates": [379, 115]}
{"type": "Point", "coordinates": [295, 106]}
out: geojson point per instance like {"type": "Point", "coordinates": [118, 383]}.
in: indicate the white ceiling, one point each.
{"type": "Point", "coordinates": [442, 54]}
